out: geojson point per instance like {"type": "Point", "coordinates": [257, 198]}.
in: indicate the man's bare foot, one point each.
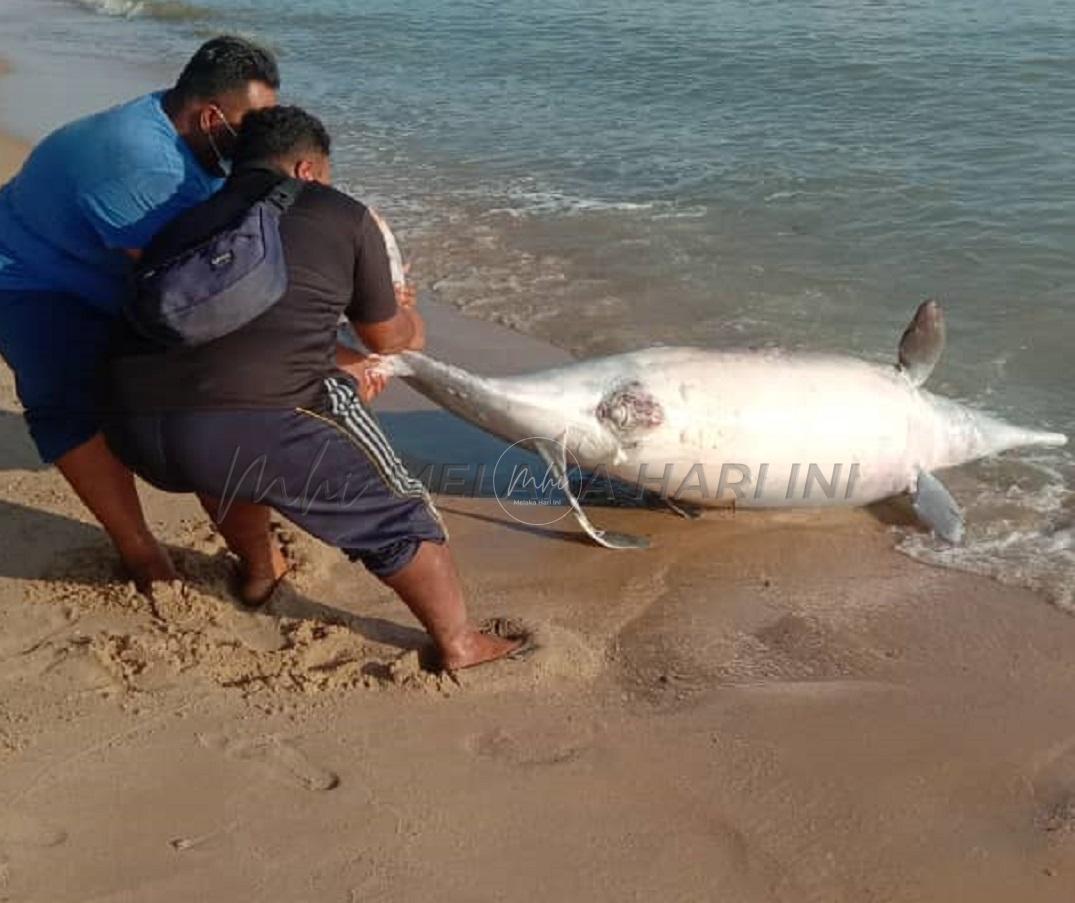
{"type": "Point", "coordinates": [258, 581]}
{"type": "Point", "coordinates": [474, 647]}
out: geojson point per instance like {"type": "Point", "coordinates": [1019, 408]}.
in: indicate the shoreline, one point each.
{"type": "Point", "coordinates": [766, 706]}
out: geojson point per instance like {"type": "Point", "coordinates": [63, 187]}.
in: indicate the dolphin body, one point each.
{"type": "Point", "coordinates": [749, 428]}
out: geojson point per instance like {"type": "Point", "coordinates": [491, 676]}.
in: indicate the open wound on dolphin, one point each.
{"type": "Point", "coordinates": [630, 408]}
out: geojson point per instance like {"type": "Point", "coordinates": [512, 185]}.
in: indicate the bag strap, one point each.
{"type": "Point", "coordinates": [285, 193]}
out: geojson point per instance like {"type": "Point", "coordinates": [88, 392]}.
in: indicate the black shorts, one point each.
{"type": "Point", "coordinates": [56, 345]}
{"type": "Point", "coordinates": [333, 474]}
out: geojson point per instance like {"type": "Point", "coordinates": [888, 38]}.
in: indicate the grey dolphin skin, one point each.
{"type": "Point", "coordinates": [749, 428]}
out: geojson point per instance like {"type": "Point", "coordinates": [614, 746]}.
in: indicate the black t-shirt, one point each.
{"type": "Point", "coordinates": [336, 264]}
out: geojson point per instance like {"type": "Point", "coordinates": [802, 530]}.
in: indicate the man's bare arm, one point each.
{"type": "Point", "coordinates": [403, 332]}
{"type": "Point", "coordinates": [406, 331]}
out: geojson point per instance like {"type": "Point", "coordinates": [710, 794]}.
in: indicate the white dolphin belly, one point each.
{"type": "Point", "coordinates": [765, 429]}
{"type": "Point", "coordinates": [759, 428]}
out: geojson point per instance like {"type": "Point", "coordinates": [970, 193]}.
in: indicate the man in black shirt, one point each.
{"type": "Point", "coordinates": [269, 417]}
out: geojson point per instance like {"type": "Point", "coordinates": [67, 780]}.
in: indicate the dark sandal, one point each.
{"type": "Point", "coordinates": [262, 599]}
{"type": "Point", "coordinates": [511, 629]}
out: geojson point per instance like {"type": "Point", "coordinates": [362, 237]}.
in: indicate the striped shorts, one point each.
{"type": "Point", "coordinates": [334, 474]}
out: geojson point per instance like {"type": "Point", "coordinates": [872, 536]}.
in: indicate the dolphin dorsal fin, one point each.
{"type": "Point", "coordinates": [922, 342]}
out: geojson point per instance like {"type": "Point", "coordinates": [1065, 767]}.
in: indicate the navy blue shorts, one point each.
{"type": "Point", "coordinates": [333, 474]}
{"type": "Point", "coordinates": [56, 345]}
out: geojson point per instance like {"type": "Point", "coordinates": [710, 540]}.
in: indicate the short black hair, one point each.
{"type": "Point", "coordinates": [224, 64]}
{"type": "Point", "coordinates": [275, 132]}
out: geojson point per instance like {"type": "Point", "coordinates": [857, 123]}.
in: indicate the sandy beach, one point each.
{"type": "Point", "coordinates": [762, 707]}
{"type": "Point", "coordinates": [12, 150]}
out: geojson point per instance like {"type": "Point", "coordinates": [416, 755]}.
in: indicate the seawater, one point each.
{"type": "Point", "coordinates": [614, 173]}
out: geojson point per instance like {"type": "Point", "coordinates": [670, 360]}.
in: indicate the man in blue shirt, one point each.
{"type": "Point", "coordinates": [87, 200]}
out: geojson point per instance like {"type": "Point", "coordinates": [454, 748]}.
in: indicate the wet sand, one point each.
{"type": "Point", "coordinates": [766, 706]}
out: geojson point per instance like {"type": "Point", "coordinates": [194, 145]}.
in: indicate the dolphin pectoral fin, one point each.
{"type": "Point", "coordinates": [936, 508]}
{"type": "Point", "coordinates": [922, 342]}
{"type": "Point", "coordinates": [555, 457]}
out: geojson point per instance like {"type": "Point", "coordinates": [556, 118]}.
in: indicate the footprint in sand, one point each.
{"type": "Point", "coordinates": [1050, 775]}
{"type": "Point", "coordinates": [256, 630]}
{"type": "Point", "coordinates": [185, 844]}
{"type": "Point", "coordinates": [276, 758]}
{"type": "Point", "coordinates": [534, 746]}
{"type": "Point", "coordinates": [18, 830]}
{"type": "Point", "coordinates": [71, 667]}
{"type": "Point", "coordinates": [27, 629]}
{"type": "Point", "coordinates": [1056, 816]}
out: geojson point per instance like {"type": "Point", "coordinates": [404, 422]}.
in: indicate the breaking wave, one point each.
{"type": "Point", "coordinates": [1022, 534]}
{"type": "Point", "coordinates": [165, 10]}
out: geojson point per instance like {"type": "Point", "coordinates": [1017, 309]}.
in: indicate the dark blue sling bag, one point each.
{"type": "Point", "coordinates": [221, 284]}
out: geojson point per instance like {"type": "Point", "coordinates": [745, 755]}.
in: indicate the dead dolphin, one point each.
{"type": "Point", "coordinates": [750, 428]}
{"type": "Point", "coordinates": [753, 428]}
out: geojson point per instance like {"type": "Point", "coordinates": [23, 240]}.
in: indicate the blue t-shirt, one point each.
{"type": "Point", "coordinates": [91, 189]}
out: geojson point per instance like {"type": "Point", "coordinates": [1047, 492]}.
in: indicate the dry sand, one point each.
{"type": "Point", "coordinates": [764, 707]}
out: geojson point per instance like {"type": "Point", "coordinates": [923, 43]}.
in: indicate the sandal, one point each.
{"type": "Point", "coordinates": [239, 579]}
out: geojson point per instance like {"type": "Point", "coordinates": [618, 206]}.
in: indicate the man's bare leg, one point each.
{"type": "Point", "coordinates": [429, 586]}
{"type": "Point", "coordinates": [107, 488]}
{"type": "Point", "coordinates": [245, 528]}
